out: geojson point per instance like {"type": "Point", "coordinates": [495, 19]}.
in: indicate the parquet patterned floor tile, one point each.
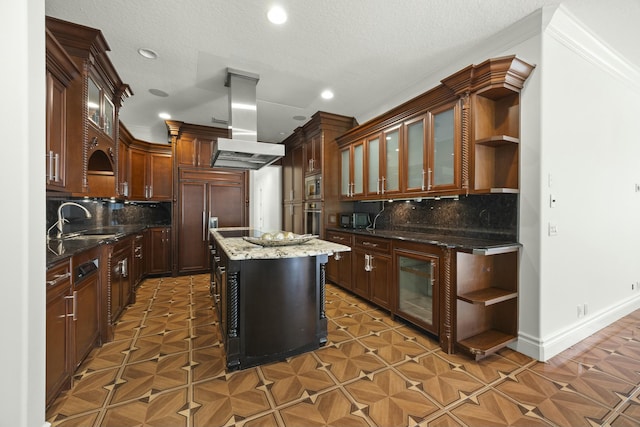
{"type": "Point", "coordinates": [166, 367]}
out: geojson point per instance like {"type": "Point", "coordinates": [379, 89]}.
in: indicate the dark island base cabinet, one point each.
{"type": "Point", "coordinates": [268, 317]}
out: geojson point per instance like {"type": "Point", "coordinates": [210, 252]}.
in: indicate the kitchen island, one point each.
{"type": "Point", "coordinates": [270, 300]}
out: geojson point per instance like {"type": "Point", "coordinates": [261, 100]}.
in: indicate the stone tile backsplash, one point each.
{"type": "Point", "coordinates": [108, 213]}
{"type": "Point", "coordinates": [493, 216]}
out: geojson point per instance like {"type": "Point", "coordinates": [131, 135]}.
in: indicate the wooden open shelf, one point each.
{"type": "Point", "coordinates": [488, 296]}
{"type": "Point", "coordinates": [498, 140]}
{"type": "Point", "coordinates": [486, 343]}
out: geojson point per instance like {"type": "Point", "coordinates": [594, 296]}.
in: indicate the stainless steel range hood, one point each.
{"type": "Point", "coordinates": [243, 151]}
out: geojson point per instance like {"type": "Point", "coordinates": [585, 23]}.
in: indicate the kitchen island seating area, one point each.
{"type": "Point", "coordinates": [166, 367]}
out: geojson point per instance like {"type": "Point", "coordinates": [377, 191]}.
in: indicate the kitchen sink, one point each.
{"type": "Point", "coordinates": [91, 236]}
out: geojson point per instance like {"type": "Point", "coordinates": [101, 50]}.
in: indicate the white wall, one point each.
{"type": "Point", "coordinates": [590, 153]}
{"type": "Point", "coordinates": [23, 217]}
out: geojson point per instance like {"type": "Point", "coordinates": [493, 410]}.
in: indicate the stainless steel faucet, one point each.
{"type": "Point", "coordinates": [62, 220]}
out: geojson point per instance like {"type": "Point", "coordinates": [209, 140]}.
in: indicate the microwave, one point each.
{"type": "Point", "coordinates": [354, 220]}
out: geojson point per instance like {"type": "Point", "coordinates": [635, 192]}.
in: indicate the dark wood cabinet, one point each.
{"type": "Point", "coordinates": [372, 270]}
{"type": "Point", "coordinates": [117, 285]}
{"type": "Point", "coordinates": [216, 193]}
{"type": "Point", "coordinates": [61, 71]}
{"type": "Point", "coordinates": [150, 175]}
{"type": "Point", "coordinates": [194, 152]}
{"type": "Point", "coordinates": [59, 329]}
{"type": "Point", "coordinates": [486, 301]}
{"type": "Point", "coordinates": [339, 266]}
{"type": "Point", "coordinates": [86, 300]}
{"type": "Point", "coordinates": [159, 250]}
{"type": "Point", "coordinates": [138, 259]}
{"type": "Point", "coordinates": [93, 101]}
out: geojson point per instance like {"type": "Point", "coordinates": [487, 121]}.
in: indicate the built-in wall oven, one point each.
{"type": "Point", "coordinates": [312, 218]}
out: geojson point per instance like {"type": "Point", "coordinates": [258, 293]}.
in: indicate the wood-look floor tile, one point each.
{"type": "Point", "coordinates": [209, 362]}
{"type": "Point", "coordinates": [392, 346]}
{"type": "Point", "coordinates": [389, 401]}
{"type": "Point", "coordinates": [152, 346]}
{"type": "Point", "coordinates": [205, 336]}
{"type": "Point", "coordinates": [422, 339]}
{"type": "Point", "coordinates": [88, 394]}
{"type": "Point", "coordinates": [162, 410]}
{"type": "Point", "coordinates": [80, 421]}
{"type": "Point", "coordinates": [487, 370]}
{"type": "Point", "coordinates": [147, 378]}
{"type": "Point", "coordinates": [586, 380]}
{"type": "Point", "coordinates": [230, 397]}
{"type": "Point", "coordinates": [126, 329]}
{"type": "Point", "coordinates": [493, 409]}
{"type": "Point", "coordinates": [331, 408]}
{"type": "Point", "coordinates": [267, 420]}
{"type": "Point", "coordinates": [629, 413]}
{"type": "Point", "coordinates": [206, 316]}
{"type": "Point", "coordinates": [444, 420]}
{"type": "Point", "coordinates": [554, 401]}
{"type": "Point", "coordinates": [439, 379]}
{"type": "Point", "coordinates": [349, 360]}
{"type": "Point", "coordinates": [339, 308]}
{"type": "Point", "coordinates": [361, 324]}
{"type": "Point", "coordinates": [295, 378]}
{"type": "Point", "coordinates": [161, 324]}
{"type": "Point", "coordinates": [109, 355]}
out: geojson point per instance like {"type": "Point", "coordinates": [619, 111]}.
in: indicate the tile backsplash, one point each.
{"type": "Point", "coordinates": [492, 216]}
{"type": "Point", "coordinates": [108, 213]}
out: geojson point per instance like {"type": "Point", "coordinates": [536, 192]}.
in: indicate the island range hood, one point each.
{"type": "Point", "coordinates": [243, 151]}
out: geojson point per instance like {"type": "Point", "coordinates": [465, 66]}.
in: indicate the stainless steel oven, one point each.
{"type": "Point", "coordinates": [313, 187]}
{"type": "Point", "coordinates": [312, 218]}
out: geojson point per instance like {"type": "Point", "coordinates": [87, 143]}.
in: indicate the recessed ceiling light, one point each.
{"type": "Point", "coordinates": [277, 15]}
{"type": "Point", "coordinates": [158, 92]}
{"type": "Point", "coordinates": [148, 53]}
{"type": "Point", "coordinates": [164, 116]}
{"type": "Point", "coordinates": [300, 118]}
{"type": "Point", "coordinates": [326, 94]}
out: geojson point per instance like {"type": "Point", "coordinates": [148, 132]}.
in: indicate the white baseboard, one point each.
{"type": "Point", "coordinates": [545, 349]}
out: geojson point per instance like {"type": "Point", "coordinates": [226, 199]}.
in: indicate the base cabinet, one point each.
{"type": "Point", "coordinates": [487, 302]}
{"type": "Point", "coordinates": [372, 270]}
{"type": "Point", "coordinates": [159, 248]}
{"type": "Point", "coordinates": [339, 265]}
{"type": "Point", "coordinates": [59, 330]}
{"type": "Point", "coordinates": [417, 270]}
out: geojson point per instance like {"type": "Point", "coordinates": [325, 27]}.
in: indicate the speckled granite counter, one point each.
{"type": "Point", "coordinates": [60, 249]}
{"type": "Point", "coordinates": [239, 249]}
{"type": "Point", "coordinates": [465, 244]}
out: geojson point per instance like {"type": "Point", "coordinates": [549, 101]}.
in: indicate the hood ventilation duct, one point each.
{"type": "Point", "coordinates": [243, 151]}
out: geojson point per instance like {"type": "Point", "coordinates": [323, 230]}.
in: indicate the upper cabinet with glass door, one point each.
{"type": "Point", "coordinates": [383, 163]}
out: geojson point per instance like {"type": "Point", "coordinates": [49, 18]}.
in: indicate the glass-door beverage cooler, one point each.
{"type": "Point", "coordinates": [418, 288]}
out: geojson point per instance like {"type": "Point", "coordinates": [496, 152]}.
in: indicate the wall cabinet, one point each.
{"type": "Point", "coordinates": [150, 175]}
{"type": "Point", "coordinates": [313, 155]}
{"type": "Point", "coordinates": [61, 71]}
{"type": "Point", "coordinates": [487, 301]}
{"type": "Point", "coordinates": [59, 330]}
{"type": "Point", "coordinates": [372, 270]}
{"type": "Point", "coordinates": [352, 171]}
{"type": "Point", "coordinates": [383, 163]}
{"type": "Point", "coordinates": [202, 195]}
{"type": "Point", "coordinates": [460, 137]}
{"type": "Point", "coordinates": [339, 265]}
{"type": "Point", "coordinates": [292, 189]}
{"type": "Point", "coordinates": [159, 249]}
{"type": "Point", "coordinates": [93, 100]}
{"type": "Point", "coordinates": [195, 152]}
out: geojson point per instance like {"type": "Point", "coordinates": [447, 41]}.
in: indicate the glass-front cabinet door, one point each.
{"type": "Point", "coordinates": [93, 102]}
{"type": "Point", "coordinates": [416, 155]}
{"type": "Point", "coordinates": [417, 278]}
{"type": "Point", "coordinates": [390, 179]}
{"type": "Point", "coordinates": [352, 171]}
{"type": "Point", "coordinates": [109, 114]}
{"type": "Point", "coordinates": [373, 166]}
{"type": "Point", "coordinates": [443, 172]}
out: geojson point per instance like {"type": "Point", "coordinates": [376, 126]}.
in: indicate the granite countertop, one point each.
{"type": "Point", "coordinates": [237, 248]}
{"type": "Point", "coordinates": [481, 246]}
{"type": "Point", "coordinates": [60, 249]}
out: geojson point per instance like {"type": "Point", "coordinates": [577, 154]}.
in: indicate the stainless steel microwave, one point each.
{"type": "Point", "coordinates": [354, 220]}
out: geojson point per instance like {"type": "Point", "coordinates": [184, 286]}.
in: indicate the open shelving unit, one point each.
{"type": "Point", "coordinates": [487, 302]}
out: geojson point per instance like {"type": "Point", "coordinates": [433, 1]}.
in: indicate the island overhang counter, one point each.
{"type": "Point", "coordinates": [270, 300]}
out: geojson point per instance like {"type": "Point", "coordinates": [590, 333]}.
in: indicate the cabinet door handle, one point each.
{"type": "Point", "coordinates": [151, 191]}
{"type": "Point", "coordinates": [337, 256]}
{"type": "Point", "coordinates": [423, 174]}
{"type": "Point", "coordinates": [56, 167]}
{"type": "Point", "coordinates": [204, 225]}
{"type": "Point", "coordinates": [74, 310]}
{"type": "Point", "coordinates": [59, 278]}
{"type": "Point", "coordinates": [50, 172]}
{"type": "Point", "coordinates": [375, 245]}
{"type": "Point", "coordinates": [429, 179]}
{"type": "Point", "coordinates": [383, 181]}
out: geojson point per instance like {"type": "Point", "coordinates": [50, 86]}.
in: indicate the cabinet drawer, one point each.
{"type": "Point", "coordinates": [341, 238]}
{"type": "Point", "coordinates": [373, 244]}
{"type": "Point", "coordinates": [59, 275]}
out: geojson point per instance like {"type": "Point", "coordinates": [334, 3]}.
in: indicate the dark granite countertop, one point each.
{"type": "Point", "coordinates": [61, 249]}
{"type": "Point", "coordinates": [474, 245]}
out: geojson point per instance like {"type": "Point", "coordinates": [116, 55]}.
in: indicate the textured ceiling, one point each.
{"type": "Point", "coordinates": [366, 51]}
